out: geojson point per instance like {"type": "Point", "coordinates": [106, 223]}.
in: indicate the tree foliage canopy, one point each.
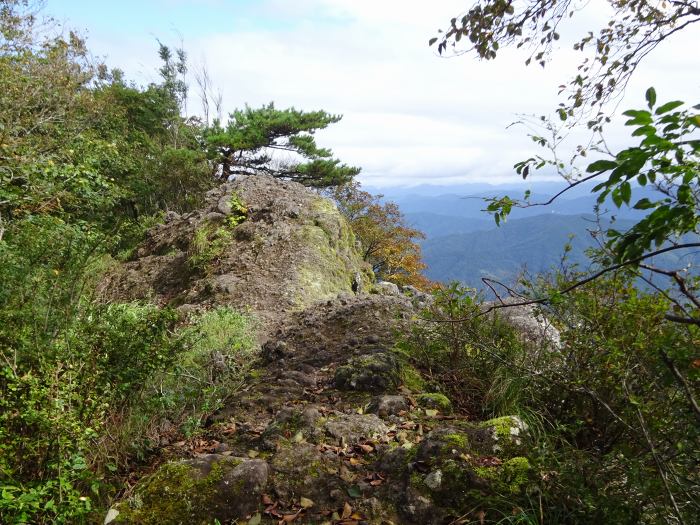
{"type": "Point", "coordinates": [247, 143]}
{"type": "Point", "coordinates": [388, 243]}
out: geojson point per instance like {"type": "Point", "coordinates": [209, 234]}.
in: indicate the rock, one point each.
{"type": "Point", "coordinates": [301, 378]}
{"type": "Point", "coordinates": [379, 372]}
{"type": "Point", "coordinates": [531, 324]}
{"type": "Point", "coordinates": [435, 401]}
{"type": "Point", "coordinates": [352, 428]}
{"type": "Point", "coordinates": [224, 205]}
{"type": "Point", "coordinates": [294, 248]}
{"type": "Point", "coordinates": [197, 491]}
{"type": "Point", "coordinates": [433, 480]}
{"type": "Point", "coordinates": [171, 216]}
{"type": "Point", "coordinates": [214, 217]}
{"type": "Point", "coordinates": [387, 405]}
{"type": "Point", "coordinates": [299, 470]}
{"type": "Point", "coordinates": [387, 288]}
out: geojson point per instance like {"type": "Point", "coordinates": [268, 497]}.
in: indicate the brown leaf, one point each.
{"type": "Point", "coordinates": [366, 448]}
{"type": "Point", "coordinates": [347, 511]}
{"type": "Point", "coordinates": [266, 500]}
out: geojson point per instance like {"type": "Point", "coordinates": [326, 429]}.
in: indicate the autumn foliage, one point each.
{"type": "Point", "coordinates": [388, 243]}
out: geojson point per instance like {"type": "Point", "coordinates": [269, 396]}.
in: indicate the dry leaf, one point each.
{"type": "Point", "coordinates": [306, 503]}
{"type": "Point", "coordinates": [347, 510]}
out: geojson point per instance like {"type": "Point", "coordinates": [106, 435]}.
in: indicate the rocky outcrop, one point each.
{"type": "Point", "coordinates": [334, 426]}
{"type": "Point", "coordinates": [259, 243]}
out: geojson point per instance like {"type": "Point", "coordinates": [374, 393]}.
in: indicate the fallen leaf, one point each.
{"type": "Point", "coordinates": [366, 448]}
{"type": "Point", "coordinates": [255, 519]}
{"type": "Point", "coordinates": [347, 510]}
{"type": "Point", "coordinates": [253, 454]}
{"type": "Point", "coordinates": [306, 503]}
{"type": "Point", "coordinates": [431, 412]}
{"type": "Point", "coordinates": [266, 500]}
{"type": "Point", "coordinates": [298, 437]}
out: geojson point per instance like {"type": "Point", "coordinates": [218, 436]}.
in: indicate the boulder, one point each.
{"type": "Point", "coordinates": [387, 405]}
{"type": "Point", "coordinates": [376, 372]}
{"type": "Point", "coordinates": [196, 491]}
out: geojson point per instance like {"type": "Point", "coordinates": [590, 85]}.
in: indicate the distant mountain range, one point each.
{"type": "Point", "coordinates": [464, 244]}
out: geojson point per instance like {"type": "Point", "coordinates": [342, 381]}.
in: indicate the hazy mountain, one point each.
{"type": "Point", "coordinates": [436, 225]}
{"type": "Point", "coordinates": [533, 243]}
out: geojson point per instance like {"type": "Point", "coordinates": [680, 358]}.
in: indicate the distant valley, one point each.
{"type": "Point", "coordinates": [464, 244]}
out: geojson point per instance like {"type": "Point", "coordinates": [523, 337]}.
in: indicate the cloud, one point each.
{"type": "Point", "coordinates": [410, 116]}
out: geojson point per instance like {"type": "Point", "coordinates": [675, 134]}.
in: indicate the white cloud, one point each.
{"type": "Point", "coordinates": [410, 116]}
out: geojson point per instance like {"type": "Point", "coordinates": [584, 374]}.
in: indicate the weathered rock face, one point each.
{"type": "Point", "coordinates": [259, 243]}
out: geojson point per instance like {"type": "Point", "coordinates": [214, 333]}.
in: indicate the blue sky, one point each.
{"type": "Point", "coordinates": [410, 117]}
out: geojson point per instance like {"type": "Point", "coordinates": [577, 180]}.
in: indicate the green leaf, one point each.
{"type": "Point", "coordinates": [601, 165]}
{"type": "Point", "coordinates": [626, 192]}
{"type": "Point", "coordinates": [643, 204]}
{"type": "Point", "coordinates": [432, 41]}
{"type": "Point", "coordinates": [651, 97]}
{"type": "Point", "coordinates": [354, 491]}
{"type": "Point", "coordinates": [669, 106]}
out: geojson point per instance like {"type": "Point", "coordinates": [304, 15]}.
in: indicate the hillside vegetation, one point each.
{"type": "Point", "coordinates": [194, 330]}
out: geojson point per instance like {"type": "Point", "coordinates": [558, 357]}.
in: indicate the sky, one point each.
{"type": "Point", "coordinates": [409, 116]}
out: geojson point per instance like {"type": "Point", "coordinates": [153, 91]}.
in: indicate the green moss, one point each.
{"type": "Point", "coordinates": [326, 273]}
{"type": "Point", "coordinates": [457, 441]}
{"type": "Point", "coordinates": [255, 373]}
{"type": "Point", "coordinates": [411, 378]}
{"type": "Point", "coordinates": [174, 494]}
{"type": "Point", "coordinates": [502, 425]}
{"type": "Point", "coordinates": [510, 477]}
{"type": "Point", "coordinates": [435, 400]}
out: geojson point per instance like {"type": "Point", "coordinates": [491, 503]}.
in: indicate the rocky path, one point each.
{"type": "Point", "coordinates": [335, 428]}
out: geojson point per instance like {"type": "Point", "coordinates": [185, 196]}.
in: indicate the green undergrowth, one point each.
{"type": "Point", "coordinates": [86, 388]}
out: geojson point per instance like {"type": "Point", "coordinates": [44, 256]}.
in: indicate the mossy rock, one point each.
{"type": "Point", "coordinates": [197, 491]}
{"type": "Point", "coordinates": [379, 372]}
{"type": "Point", "coordinates": [509, 435]}
{"type": "Point", "coordinates": [352, 428]}
{"type": "Point", "coordinates": [300, 470]}
{"type": "Point", "coordinates": [456, 467]}
{"type": "Point", "coordinates": [435, 401]}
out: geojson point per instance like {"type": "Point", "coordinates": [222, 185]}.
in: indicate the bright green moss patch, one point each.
{"type": "Point", "coordinates": [510, 477]}
{"type": "Point", "coordinates": [435, 400]}
{"type": "Point", "coordinates": [411, 378]}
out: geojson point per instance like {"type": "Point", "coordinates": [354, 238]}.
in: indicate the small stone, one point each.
{"type": "Point", "coordinates": [387, 405]}
{"type": "Point", "coordinates": [111, 516]}
{"type": "Point", "coordinates": [433, 480]}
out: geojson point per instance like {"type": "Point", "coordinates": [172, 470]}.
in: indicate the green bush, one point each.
{"type": "Point", "coordinates": [616, 435]}
{"type": "Point", "coordinates": [464, 352]}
